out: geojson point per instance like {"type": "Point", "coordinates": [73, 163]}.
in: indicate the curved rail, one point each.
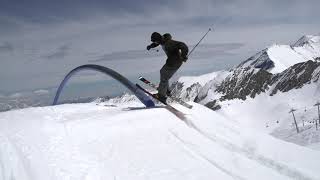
{"type": "Point", "coordinates": [146, 100]}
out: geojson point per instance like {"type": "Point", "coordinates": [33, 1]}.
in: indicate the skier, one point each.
{"type": "Point", "coordinates": [176, 52]}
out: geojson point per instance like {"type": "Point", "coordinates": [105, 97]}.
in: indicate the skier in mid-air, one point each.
{"type": "Point", "coordinates": [176, 52]}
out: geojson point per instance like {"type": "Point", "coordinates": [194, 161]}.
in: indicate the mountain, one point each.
{"type": "Point", "coordinates": [296, 77]}
{"type": "Point", "coordinates": [262, 90]}
{"type": "Point", "coordinates": [277, 58]}
{"type": "Point", "coordinates": [244, 82]}
{"type": "Point", "coordinates": [277, 68]}
{"type": "Point", "coordinates": [24, 100]}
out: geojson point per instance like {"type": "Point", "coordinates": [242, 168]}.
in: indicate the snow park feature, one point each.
{"type": "Point", "coordinates": [240, 127]}
{"type": "Point", "coordinates": [136, 91]}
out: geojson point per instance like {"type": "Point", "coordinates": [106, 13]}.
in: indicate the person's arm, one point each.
{"type": "Point", "coordinates": [152, 45]}
{"type": "Point", "coordinates": [184, 51]}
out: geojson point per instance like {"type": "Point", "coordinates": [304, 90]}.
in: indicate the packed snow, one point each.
{"type": "Point", "coordinates": [128, 141]}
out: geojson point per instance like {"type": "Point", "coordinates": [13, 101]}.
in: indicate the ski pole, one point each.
{"type": "Point", "coordinates": [198, 42]}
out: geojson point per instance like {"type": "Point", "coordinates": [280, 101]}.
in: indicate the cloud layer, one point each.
{"type": "Point", "coordinates": [42, 40]}
{"type": "Point", "coordinates": [5, 47]}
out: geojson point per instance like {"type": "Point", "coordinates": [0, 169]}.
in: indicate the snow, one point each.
{"type": "Point", "coordinates": [307, 39]}
{"type": "Point", "coordinates": [120, 139]}
{"type": "Point", "coordinates": [308, 46]}
{"type": "Point", "coordinates": [315, 146]}
{"type": "Point", "coordinates": [283, 57]}
{"type": "Point", "coordinates": [208, 82]}
{"type": "Point", "coordinates": [254, 58]}
{"type": "Point", "coordinates": [203, 79]}
{"type": "Point", "coordinates": [127, 141]}
{"type": "Point", "coordinates": [316, 74]}
{"type": "Point", "coordinates": [269, 114]}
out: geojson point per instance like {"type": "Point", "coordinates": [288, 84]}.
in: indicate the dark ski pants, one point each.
{"type": "Point", "coordinates": [166, 73]}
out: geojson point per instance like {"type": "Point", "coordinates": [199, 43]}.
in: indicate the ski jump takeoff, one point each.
{"type": "Point", "coordinates": [177, 53]}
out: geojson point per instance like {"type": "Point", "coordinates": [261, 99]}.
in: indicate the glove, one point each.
{"type": "Point", "coordinates": [184, 59]}
{"type": "Point", "coordinates": [148, 47]}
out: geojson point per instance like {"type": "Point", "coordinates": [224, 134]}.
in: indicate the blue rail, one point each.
{"type": "Point", "coordinates": [146, 100]}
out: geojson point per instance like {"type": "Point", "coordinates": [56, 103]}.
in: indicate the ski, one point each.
{"type": "Point", "coordinates": [170, 97]}
{"type": "Point", "coordinates": [170, 108]}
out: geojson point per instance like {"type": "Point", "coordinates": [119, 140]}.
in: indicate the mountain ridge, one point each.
{"type": "Point", "coordinates": [255, 75]}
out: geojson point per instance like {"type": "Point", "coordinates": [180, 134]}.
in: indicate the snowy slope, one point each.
{"type": "Point", "coordinates": [190, 87]}
{"type": "Point", "coordinates": [251, 95]}
{"type": "Point", "coordinates": [277, 58]}
{"type": "Point", "coordinates": [263, 111]}
{"type": "Point", "coordinates": [309, 44]}
{"type": "Point", "coordinates": [203, 79]}
{"type": "Point", "coordinates": [283, 57]}
{"type": "Point", "coordinates": [267, 111]}
{"type": "Point", "coordinates": [89, 141]}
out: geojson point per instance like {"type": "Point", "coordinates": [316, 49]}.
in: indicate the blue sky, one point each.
{"type": "Point", "coordinates": [41, 40]}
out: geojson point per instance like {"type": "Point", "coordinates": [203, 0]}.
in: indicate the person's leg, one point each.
{"type": "Point", "coordinates": [166, 73]}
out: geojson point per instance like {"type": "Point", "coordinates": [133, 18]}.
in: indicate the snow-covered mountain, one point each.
{"type": "Point", "coordinates": [277, 58]}
{"type": "Point", "coordinates": [24, 100]}
{"type": "Point", "coordinates": [277, 68]}
{"type": "Point", "coordinates": [254, 93]}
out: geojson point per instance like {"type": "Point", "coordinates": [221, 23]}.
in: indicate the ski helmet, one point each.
{"type": "Point", "coordinates": [156, 37]}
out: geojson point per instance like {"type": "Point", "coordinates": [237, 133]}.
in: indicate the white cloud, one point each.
{"type": "Point", "coordinates": [71, 43]}
{"type": "Point", "coordinates": [16, 95]}
{"type": "Point", "coordinates": [41, 92]}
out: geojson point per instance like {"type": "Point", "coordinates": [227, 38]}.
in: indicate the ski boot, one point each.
{"type": "Point", "coordinates": [160, 97]}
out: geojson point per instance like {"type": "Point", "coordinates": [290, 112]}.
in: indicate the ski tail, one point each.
{"type": "Point", "coordinates": [144, 80]}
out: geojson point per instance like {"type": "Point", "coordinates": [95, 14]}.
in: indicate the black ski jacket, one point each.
{"type": "Point", "coordinates": [176, 51]}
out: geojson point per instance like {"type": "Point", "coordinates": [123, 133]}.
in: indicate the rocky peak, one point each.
{"type": "Point", "coordinates": [295, 77]}
{"type": "Point", "coordinates": [307, 40]}
{"type": "Point", "coordinates": [260, 60]}
{"type": "Point", "coordinates": [277, 68]}
{"type": "Point", "coordinates": [244, 82]}
{"type": "Point", "coordinates": [189, 94]}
